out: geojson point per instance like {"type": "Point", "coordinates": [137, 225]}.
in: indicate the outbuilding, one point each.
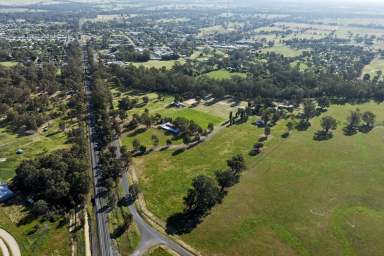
{"type": "Point", "coordinates": [5, 193]}
{"type": "Point", "coordinates": [169, 127]}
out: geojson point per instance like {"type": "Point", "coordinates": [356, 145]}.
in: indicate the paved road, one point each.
{"type": "Point", "coordinates": [104, 238]}
{"type": "Point", "coordinates": [3, 248]}
{"type": "Point", "coordinates": [11, 244]}
{"type": "Point", "coordinates": [149, 236]}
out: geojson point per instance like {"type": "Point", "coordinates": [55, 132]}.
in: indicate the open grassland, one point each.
{"type": "Point", "coordinates": [283, 50]}
{"type": "Point", "coordinates": [35, 237]}
{"type": "Point", "coordinates": [168, 64]}
{"type": "Point", "coordinates": [223, 74]}
{"type": "Point", "coordinates": [372, 68]}
{"type": "Point", "coordinates": [221, 108]}
{"type": "Point", "coordinates": [145, 138]}
{"type": "Point", "coordinates": [161, 106]}
{"type": "Point", "coordinates": [155, 103]}
{"type": "Point", "coordinates": [299, 197]}
{"type": "Point", "coordinates": [8, 64]}
{"type": "Point", "coordinates": [34, 145]}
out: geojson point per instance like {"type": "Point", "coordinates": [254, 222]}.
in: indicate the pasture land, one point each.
{"type": "Point", "coordinates": [298, 197]}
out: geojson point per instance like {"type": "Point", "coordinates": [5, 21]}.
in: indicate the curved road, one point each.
{"type": "Point", "coordinates": [14, 249]}
{"type": "Point", "coordinates": [148, 235]}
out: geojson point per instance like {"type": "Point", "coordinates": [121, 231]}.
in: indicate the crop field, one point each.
{"type": "Point", "coordinates": [224, 74]}
{"type": "Point", "coordinates": [298, 197]}
{"type": "Point", "coordinates": [34, 145]}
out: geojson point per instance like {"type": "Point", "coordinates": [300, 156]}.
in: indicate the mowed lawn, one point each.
{"type": "Point", "coordinates": [145, 138]}
{"type": "Point", "coordinates": [299, 197]}
{"type": "Point", "coordinates": [283, 50]}
{"type": "Point", "coordinates": [223, 74]}
{"type": "Point", "coordinates": [8, 64]}
{"type": "Point", "coordinates": [168, 64]}
{"type": "Point", "coordinates": [199, 117]}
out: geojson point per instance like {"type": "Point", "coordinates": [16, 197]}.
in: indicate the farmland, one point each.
{"type": "Point", "coordinates": [303, 196]}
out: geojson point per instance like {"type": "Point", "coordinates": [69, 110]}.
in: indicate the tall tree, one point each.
{"type": "Point", "coordinates": [369, 118]}
{"type": "Point", "coordinates": [237, 164]}
{"type": "Point", "coordinates": [328, 123]}
{"type": "Point", "coordinates": [203, 195]}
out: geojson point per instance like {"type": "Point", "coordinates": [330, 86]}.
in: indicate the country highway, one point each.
{"type": "Point", "coordinates": [100, 203]}
{"type": "Point", "coordinates": [149, 236]}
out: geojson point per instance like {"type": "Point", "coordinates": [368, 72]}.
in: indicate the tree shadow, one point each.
{"type": "Point", "coordinates": [303, 125]}
{"type": "Point", "coordinates": [285, 135]}
{"type": "Point", "coordinates": [365, 128]}
{"type": "Point", "coordinates": [137, 132]}
{"type": "Point", "coordinates": [182, 223]}
{"type": "Point", "coordinates": [350, 131]}
{"type": "Point", "coordinates": [178, 151]}
{"type": "Point", "coordinates": [322, 135]}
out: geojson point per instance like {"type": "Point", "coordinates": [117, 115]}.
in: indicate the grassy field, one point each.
{"type": "Point", "coordinates": [159, 251]}
{"type": "Point", "coordinates": [299, 197]}
{"type": "Point", "coordinates": [201, 118]}
{"type": "Point", "coordinates": [221, 108]}
{"type": "Point", "coordinates": [128, 241]}
{"type": "Point", "coordinates": [145, 138]}
{"type": "Point", "coordinates": [283, 50]}
{"type": "Point", "coordinates": [376, 65]}
{"type": "Point", "coordinates": [8, 64]}
{"type": "Point", "coordinates": [48, 239]}
{"type": "Point", "coordinates": [168, 64]}
{"type": "Point", "coordinates": [33, 146]}
{"type": "Point", "coordinates": [155, 105]}
{"type": "Point", "coordinates": [224, 74]}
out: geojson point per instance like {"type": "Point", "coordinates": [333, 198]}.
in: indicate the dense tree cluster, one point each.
{"type": "Point", "coordinates": [128, 53]}
{"type": "Point", "coordinates": [60, 179]}
{"type": "Point", "coordinates": [271, 80]}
